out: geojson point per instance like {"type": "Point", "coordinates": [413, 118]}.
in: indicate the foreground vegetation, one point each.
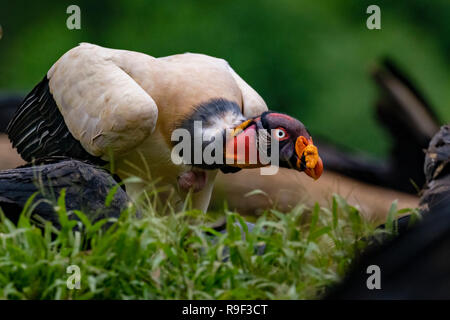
{"type": "Point", "coordinates": [177, 256]}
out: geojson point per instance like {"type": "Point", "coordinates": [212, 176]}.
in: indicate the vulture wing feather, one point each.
{"type": "Point", "coordinates": [86, 107]}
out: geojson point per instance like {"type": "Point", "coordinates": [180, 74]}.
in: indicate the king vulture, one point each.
{"type": "Point", "coordinates": [96, 102]}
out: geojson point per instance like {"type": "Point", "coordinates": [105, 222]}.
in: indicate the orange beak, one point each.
{"type": "Point", "coordinates": [308, 159]}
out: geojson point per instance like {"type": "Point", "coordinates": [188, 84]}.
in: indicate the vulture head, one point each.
{"type": "Point", "coordinates": [295, 147]}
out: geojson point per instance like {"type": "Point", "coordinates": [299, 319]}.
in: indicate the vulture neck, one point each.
{"type": "Point", "coordinates": [214, 119]}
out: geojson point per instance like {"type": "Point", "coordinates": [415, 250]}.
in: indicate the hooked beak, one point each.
{"type": "Point", "coordinates": [308, 159]}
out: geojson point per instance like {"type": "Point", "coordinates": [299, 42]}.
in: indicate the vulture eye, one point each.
{"type": "Point", "coordinates": [280, 134]}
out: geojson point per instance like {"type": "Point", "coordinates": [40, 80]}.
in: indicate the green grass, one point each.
{"type": "Point", "coordinates": [176, 256]}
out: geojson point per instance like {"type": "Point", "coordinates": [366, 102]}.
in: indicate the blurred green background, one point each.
{"type": "Point", "coordinates": [311, 59]}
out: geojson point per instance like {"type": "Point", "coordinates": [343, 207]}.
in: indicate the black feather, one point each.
{"type": "Point", "coordinates": [38, 130]}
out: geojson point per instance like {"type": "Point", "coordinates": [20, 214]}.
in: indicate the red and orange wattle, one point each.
{"type": "Point", "coordinates": [241, 146]}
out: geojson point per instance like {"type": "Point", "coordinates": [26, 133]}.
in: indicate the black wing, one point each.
{"type": "Point", "coordinates": [38, 129]}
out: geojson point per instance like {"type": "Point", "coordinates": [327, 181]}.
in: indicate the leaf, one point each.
{"type": "Point", "coordinates": [110, 196]}
{"type": "Point", "coordinates": [26, 208]}
{"type": "Point", "coordinates": [255, 192]}
{"type": "Point", "coordinates": [83, 218]}
{"type": "Point", "coordinates": [334, 211]}
{"type": "Point", "coordinates": [314, 217]}
{"type": "Point", "coordinates": [390, 220]}
{"type": "Point", "coordinates": [318, 233]}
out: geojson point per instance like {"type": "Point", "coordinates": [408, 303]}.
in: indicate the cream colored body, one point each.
{"type": "Point", "coordinates": [129, 103]}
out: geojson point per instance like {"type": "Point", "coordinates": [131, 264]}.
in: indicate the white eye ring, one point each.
{"type": "Point", "coordinates": [280, 133]}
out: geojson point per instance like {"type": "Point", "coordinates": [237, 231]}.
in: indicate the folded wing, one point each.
{"type": "Point", "coordinates": [86, 104]}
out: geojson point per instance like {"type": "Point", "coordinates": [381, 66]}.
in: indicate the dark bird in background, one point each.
{"type": "Point", "coordinates": [410, 123]}
{"type": "Point", "coordinates": [437, 172]}
{"type": "Point", "coordinates": [416, 263]}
